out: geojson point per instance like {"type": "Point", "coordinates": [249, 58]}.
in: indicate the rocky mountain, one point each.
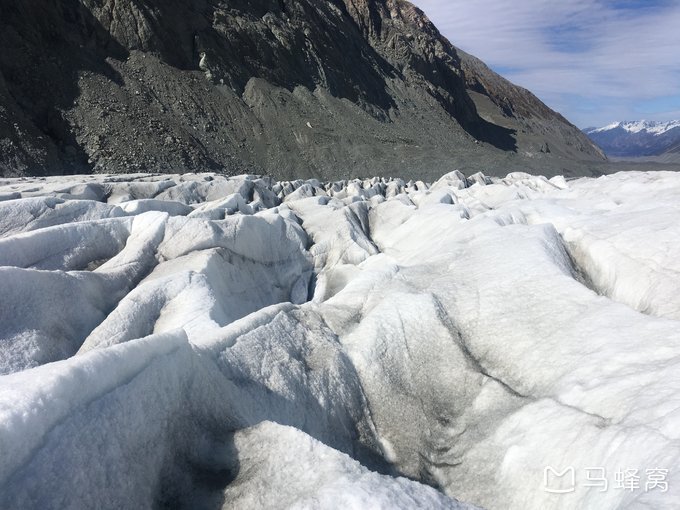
{"type": "Point", "coordinates": [291, 88]}
{"type": "Point", "coordinates": [639, 139]}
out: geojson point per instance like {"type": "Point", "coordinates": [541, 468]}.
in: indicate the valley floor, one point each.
{"type": "Point", "coordinates": [209, 342]}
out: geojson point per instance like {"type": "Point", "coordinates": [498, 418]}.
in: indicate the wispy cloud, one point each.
{"type": "Point", "coordinates": [593, 60]}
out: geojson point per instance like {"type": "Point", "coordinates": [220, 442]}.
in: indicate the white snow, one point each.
{"type": "Point", "coordinates": [200, 341]}
{"type": "Point", "coordinates": [650, 126]}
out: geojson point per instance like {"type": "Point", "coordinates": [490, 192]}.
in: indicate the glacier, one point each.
{"type": "Point", "coordinates": [203, 341]}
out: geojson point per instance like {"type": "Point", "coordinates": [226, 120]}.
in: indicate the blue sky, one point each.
{"type": "Point", "coordinates": [595, 61]}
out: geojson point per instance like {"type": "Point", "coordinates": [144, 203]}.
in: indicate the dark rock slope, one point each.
{"type": "Point", "coordinates": [291, 88]}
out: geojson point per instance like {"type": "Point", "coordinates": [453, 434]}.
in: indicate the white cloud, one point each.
{"type": "Point", "coordinates": [580, 48]}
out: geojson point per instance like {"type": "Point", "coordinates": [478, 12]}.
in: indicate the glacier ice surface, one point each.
{"type": "Point", "coordinates": [203, 341]}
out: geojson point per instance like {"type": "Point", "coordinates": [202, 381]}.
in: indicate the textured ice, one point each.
{"type": "Point", "coordinates": [316, 476]}
{"type": "Point", "coordinates": [200, 341]}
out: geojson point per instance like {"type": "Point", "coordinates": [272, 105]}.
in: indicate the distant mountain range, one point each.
{"type": "Point", "coordinates": [639, 139]}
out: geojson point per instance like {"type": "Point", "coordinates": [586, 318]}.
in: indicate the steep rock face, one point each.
{"type": "Point", "coordinates": [537, 127]}
{"type": "Point", "coordinates": [327, 88]}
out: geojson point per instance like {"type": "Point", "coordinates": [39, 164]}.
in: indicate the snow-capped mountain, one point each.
{"type": "Point", "coordinates": [637, 138]}
{"type": "Point", "coordinates": [637, 126]}
{"type": "Point", "coordinates": [200, 341]}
